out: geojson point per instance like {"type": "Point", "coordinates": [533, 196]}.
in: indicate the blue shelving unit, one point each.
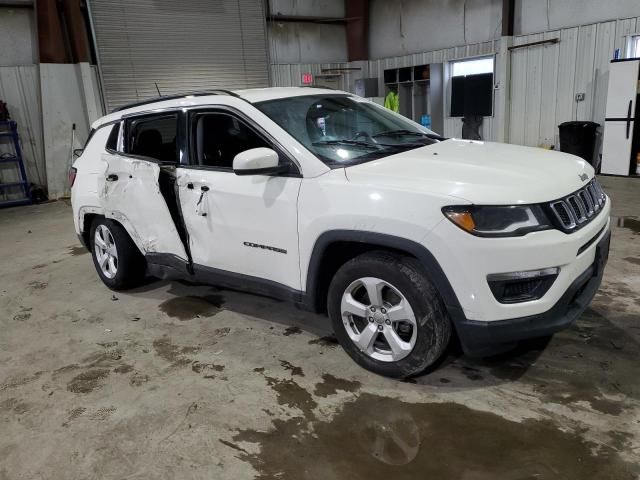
{"type": "Point", "coordinates": [10, 129]}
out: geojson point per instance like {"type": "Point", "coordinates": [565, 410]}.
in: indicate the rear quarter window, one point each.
{"type": "Point", "coordinates": [112, 141]}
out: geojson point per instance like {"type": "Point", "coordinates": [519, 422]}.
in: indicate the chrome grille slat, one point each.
{"type": "Point", "coordinates": [576, 206]}
{"type": "Point", "coordinates": [586, 200]}
{"type": "Point", "coordinates": [592, 192]}
{"type": "Point", "coordinates": [580, 207]}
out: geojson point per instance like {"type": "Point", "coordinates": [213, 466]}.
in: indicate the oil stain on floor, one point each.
{"type": "Point", "coordinates": [174, 354]}
{"type": "Point", "coordinates": [190, 307]}
{"type": "Point", "coordinates": [75, 250]}
{"type": "Point", "coordinates": [376, 437]}
{"type": "Point", "coordinates": [589, 366]}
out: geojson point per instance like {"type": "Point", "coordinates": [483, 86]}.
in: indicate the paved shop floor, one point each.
{"type": "Point", "coordinates": [190, 382]}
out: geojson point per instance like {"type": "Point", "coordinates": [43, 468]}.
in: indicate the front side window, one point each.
{"type": "Point", "coordinates": [343, 130]}
{"type": "Point", "coordinates": [219, 137]}
{"type": "Point", "coordinates": [153, 136]}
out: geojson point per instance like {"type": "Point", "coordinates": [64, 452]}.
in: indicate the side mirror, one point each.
{"type": "Point", "coordinates": [77, 152]}
{"type": "Point", "coordinates": [258, 161]}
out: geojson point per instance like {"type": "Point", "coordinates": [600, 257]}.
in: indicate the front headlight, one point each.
{"type": "Point", "coordinates": [498, 221]}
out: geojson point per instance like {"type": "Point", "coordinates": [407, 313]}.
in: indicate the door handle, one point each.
{"type": "Point", "coordinates": [190, 186]}
{"type": "Point", "coordinates": [201, 206]}
{"type": "Point", "coordinates": [112, 178]}
{"type": "Point", "coordinates": [629, 118]}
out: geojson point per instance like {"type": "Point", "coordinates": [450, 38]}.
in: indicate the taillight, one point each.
{"type": "Point", "coordinates": [72, 176]}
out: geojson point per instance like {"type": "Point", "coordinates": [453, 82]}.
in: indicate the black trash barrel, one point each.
{"type": "Point", "coordinates": [579, 138]}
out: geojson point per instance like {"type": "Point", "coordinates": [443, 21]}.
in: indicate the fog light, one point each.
{"type": "Point", "coordinates": [525, 286]}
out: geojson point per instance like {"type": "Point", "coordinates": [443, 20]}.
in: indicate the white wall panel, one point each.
{"type": "Point", "coordinates": [68, 98]}
{"type": "Point", "coordinates": [546, 78]}
{"type": "Point", "coordinates": [532, 16]}
{"type": "Point", "coordinates": [532, 100]}
{"type": "Point", "coordinates": [304, 42]}
{"type": "Point", "coordinates": [565, 101]}
{"type": "Point", "coordinates": [548, 92]}
{"type": "Point", "coordinates": [300, 42]}
{"type": "Point", "coordinates": [605, 44]}
{"type": "Point", "coordinates": [408, 26]}
{"type": "Point", "coordinates": [20, 88]}
{"type": "Point", "coordinates": [18, 41]}
{"type": "Point", "coordinates": [584, 80]}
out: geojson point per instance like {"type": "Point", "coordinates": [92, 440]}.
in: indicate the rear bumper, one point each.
{"type": "Point", "coordinates": [480, 338]}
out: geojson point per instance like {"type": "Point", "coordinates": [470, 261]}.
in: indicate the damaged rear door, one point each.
{"type": "Point", "coordinates": [137, 187]}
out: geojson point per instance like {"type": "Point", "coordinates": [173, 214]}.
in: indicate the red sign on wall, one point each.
{"type": "Point", "coordinates": [307, 78]}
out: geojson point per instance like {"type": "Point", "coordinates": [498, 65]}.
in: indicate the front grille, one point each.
{"type": "Point", "coordinates": [578, 209]}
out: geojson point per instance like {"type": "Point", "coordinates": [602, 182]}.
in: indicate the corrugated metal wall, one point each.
{"type": "Point", "coordinates": [545, 79]}
{"type": "Point", "coordinates": [182, 45]}
{"type": "Point", "coordinates": [20, 89]}
{"type": "Point", "coordinates": [452, 126]}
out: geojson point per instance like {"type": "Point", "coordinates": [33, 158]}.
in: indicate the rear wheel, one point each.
{"type": "Point", "coordinates": [118, 261]}
{"type": "Point", "coordinates": [387, 315]}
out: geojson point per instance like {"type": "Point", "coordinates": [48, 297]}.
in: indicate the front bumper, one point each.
{"type": "Point", "coordinates": [480, 338]}
{"type": "Point", "coordinates": [467, 261]}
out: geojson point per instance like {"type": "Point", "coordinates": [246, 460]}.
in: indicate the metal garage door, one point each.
{"type": "Point", "coordinates": [182, 45]}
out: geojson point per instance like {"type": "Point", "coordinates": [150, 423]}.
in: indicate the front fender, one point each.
{"type": "Point", "coordinates": [380, 240]}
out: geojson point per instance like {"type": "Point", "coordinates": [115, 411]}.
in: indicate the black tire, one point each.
{"type": "Point", "coordinates": [405, 274]}
{"type": "Point", "coordinates": [131, 267]}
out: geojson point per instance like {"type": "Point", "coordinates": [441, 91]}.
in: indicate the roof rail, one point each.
{"type": "Point", "coordinates": [318, 86]}
{"type": "Point", "coordinates": [175, 97]}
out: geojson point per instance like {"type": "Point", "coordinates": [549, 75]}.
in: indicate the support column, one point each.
{"type": "Point", "coordinates": [357, 14]}
{"type": "Point", "coordinates": [50, 38]}
{"type": "Point", "coordinates": [77, 31]}
{"type": "Point", "coordinates": [508, 17]}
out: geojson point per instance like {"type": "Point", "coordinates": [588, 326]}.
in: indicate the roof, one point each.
{"type": "Point", "coordinates": [252, 95]}
{"type": "Point", "coordinates": [261, 94]}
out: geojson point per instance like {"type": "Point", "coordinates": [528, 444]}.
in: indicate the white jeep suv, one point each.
{"type": "Point", "coordinates": [339, 205]}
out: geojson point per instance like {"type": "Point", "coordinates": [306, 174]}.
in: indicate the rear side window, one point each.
{"type": "Point", "coordinates": [112, 141]}
{"type": "Point", "coordinates": [153, 136]}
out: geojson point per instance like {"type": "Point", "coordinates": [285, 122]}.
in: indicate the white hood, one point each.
{"type": "Point", "coordinates": [479, 172]}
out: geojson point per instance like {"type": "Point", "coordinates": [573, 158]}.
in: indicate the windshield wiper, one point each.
{"type": "Point", "coordinates": [401, 132]}
{"type": "Point", "coordinates": [353, 143]}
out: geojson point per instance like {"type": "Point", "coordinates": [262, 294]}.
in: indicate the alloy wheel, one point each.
{"type": "Point", "coordinates": [379, 319]}
{"type": "Point", "coordinates": [106, 251]}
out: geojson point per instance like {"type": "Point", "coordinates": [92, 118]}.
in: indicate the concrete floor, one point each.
{"type": "Point", "coordinates": [182, 382]}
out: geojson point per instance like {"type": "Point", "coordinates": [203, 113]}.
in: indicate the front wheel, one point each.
{"type": "Point", "coordinates": [118, 261]}
{"type": "Point", "coordinates": [387, 315]}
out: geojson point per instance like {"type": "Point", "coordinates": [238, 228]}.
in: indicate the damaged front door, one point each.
{"type": "Point", "coordinates": [131, 188]}
{"type": "Point", "coordinates": [239, 225]}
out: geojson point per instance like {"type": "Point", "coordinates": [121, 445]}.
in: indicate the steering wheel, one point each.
{"type": "Point", "coordinates": [365, 135]}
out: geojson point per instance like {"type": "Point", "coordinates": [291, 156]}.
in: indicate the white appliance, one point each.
{"type": "Point", "coordinates": [618, 155]}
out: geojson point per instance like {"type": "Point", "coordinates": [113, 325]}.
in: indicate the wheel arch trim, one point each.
{"type": "Point", "coordinates": [111, 215]}
{"type": "Point", "coordinates": [382, 240]}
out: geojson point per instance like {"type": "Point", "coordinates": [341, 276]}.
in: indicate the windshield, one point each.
{"type": "Point", "coordinates": [343, 130]}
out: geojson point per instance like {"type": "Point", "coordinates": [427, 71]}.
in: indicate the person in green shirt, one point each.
{"type": "Point", "coordinates": [392, 102]}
